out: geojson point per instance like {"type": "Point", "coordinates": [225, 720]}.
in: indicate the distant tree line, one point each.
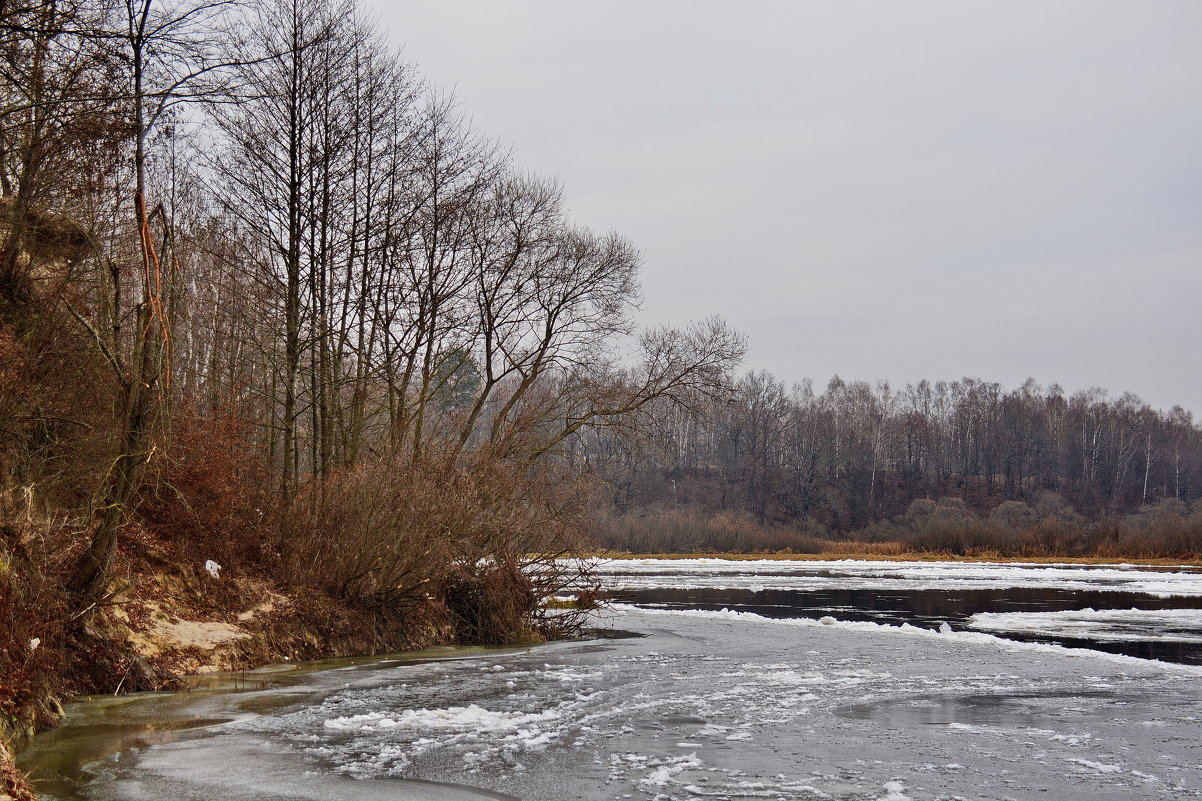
{"type": "Point", "coordinates": [856, 459]}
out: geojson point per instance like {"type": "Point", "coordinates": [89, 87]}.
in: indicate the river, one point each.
{"type": "Point", "coordinates": [690, 703]}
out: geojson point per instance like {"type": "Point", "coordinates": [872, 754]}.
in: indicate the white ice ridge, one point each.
{"type": "Point", "coordinates": [771, 574]}
{"type": "Point", "coordinates": [1115, 625]}
{"type": "Point", "coordinates": [944, 633]}
{"type": "Point", "coordinates": [462, 718]}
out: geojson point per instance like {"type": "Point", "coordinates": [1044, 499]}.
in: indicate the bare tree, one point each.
{"type": "Point", "coordinates": [173, 59]}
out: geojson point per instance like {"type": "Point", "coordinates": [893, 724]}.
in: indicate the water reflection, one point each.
{"type": "Point", "coordinates": [930, 608]}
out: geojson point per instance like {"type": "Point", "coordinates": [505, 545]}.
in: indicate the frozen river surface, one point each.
{"type": "Point", "coordinates": [1154, 613]}
{"type": "Point", "coordinates": [852, 574]}
{"type": "Point", "coordinates": [701, 704]}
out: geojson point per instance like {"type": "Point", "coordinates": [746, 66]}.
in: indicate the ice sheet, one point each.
{"type": "Point", "coordinates": [853, 574]}
{"type": "Point", "coordinates": [1117, 625]}
{"type": "Point", "coordinates": [733, 705]}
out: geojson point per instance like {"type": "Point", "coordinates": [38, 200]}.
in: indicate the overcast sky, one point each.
{"type": "Point", "coordinates": [875, 189]}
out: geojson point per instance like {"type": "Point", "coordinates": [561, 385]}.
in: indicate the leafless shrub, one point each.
{"type": "Point", "coordinates": [1163, 529]}
{"type": "Point", "coordinates": [1014, 515]}
{"type": "Point", "coordinates": [684, 531]}
{"type": "Point", "coordinates": [211, 496]}
{"type": "Point", "coordinates": [482, 540]}
{"type": "Point", "coordinates": [1055, 536]}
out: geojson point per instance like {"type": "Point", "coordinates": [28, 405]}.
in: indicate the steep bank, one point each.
{"type": "Point", "coordinates": [13, 786]}
{"type": "Point", "coordinates": [169, 622]}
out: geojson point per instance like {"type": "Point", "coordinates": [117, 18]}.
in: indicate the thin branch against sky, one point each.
{"type": "Point", "coordinates": [880, 191]}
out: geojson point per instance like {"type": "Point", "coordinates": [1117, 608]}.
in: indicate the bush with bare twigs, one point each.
{"type": "Point", "coordinates": [211, 495]}
{"type": "Point", "coordinates": [479, 541]}
{"type": "Point", "coordinates": [690, 531]}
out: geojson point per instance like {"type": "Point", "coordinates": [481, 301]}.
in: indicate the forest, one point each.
{"type": "Point", "coordinates": [962, 467]}
{"type": "Point", "coordinates": [281, 330]}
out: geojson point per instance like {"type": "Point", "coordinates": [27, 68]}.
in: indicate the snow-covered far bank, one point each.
{"type": "Point", "coordinates": [703, 705]}
{"type": "Point", "coordinates": [638, 574]}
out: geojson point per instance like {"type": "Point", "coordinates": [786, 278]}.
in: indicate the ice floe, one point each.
{"type": "Point", "coordinates": [1115, 625]}
{"type": "Point", "coordinates": [944, 632]}
{"type": "Point", "coordinates": [767, 574]}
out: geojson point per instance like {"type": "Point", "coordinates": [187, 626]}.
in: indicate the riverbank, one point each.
{"type": "Point", "coordinates": [164, 625]}
{"type": "Point", "coordinates": [169, 615]}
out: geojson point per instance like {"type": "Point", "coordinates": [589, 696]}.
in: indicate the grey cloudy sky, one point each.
{"type": "Point", "coordinates": [876, 189]}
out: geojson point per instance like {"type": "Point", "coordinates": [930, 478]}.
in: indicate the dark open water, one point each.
{"type": "Point", "coordinates": [930, 608]}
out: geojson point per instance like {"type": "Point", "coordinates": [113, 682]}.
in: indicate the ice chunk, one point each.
{"type": "Point", "coordinates": [468, 717]}
{"type": "Point", "coordinates": [665, 773]}
{"type": "Point", "coordinates": [1100, 767]}
{"type": "Point", "coordinates": [895, 791]}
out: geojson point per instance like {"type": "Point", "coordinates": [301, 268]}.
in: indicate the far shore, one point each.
{"type": "Point", "coordinates": [906, 557]}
